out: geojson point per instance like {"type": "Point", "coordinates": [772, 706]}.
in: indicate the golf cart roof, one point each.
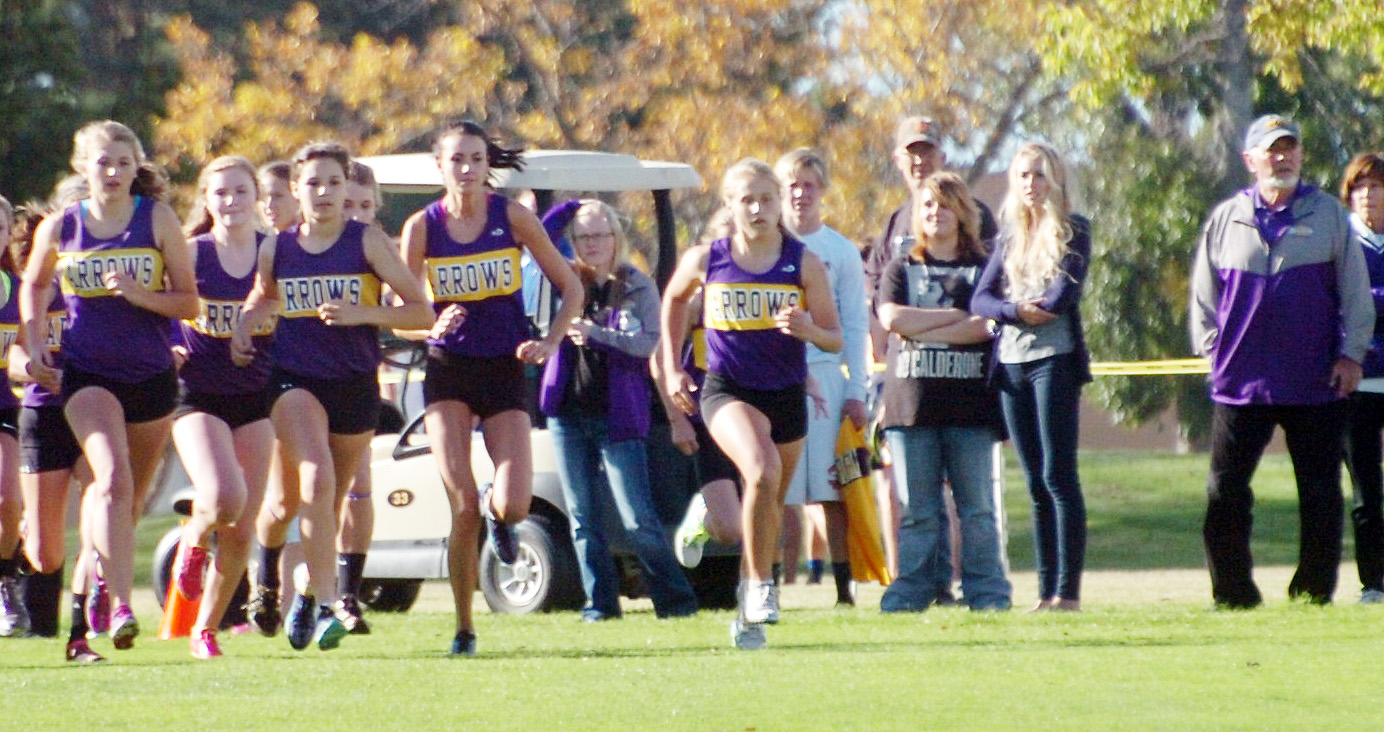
{"type": "Point", "coordinates": [550, 170]}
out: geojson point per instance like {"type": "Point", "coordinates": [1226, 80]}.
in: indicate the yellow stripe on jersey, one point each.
{"type": "Point", "coordinates": [699, 348]}
{"type": "Point", "coordinates": [301, 296]}
{"type": "Point", "coordinates": [57, 322]}
{"type": "Point", "coordinates": [219, 318]}
{"type": "Point", "coordinates": [82, 273]}
{"type": "Point", "coordinates": [746, 305]}
{"type": "Point", "coordinates": [475, 277]}
{"type": "Point", "coordinates": [8, 334]}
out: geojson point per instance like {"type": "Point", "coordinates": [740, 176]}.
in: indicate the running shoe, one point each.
{"type": "Point", "coordinates": [204, 645]}
{"type": "Point", "coordinates": [328, 631]}
{"type": "Point", "coordinates": [123, 628]}
{"type": "Point", "coordinates": [349, 613]}
{"type": "Point", "coordinates": [300, 621]}
{"type": "Point", "coordinates": [689, 540]}
{"type": "Point", "coordinates": [192, 567]}
{"type": "Point", "coordinates": [747, 636]}
{"type": "Point", "coordinates": [464, 644]}
{"type": "Point", "coordinates": [78, 651]}
{"type": "Point", "coordinates": [1371, 597]}
{"type": "Point", "coordinates": [502, 535]}
{"type": "Point", "coordinates": [759, 603]}
{"type": "Point", "coordinates": [98, 607]}
{"type": "Point", "coordinates": [263, 610]}
{"type": "Point", "coordinates": [13, 618]}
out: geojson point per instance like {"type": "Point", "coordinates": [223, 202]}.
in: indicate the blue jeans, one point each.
{"type": "Point", "coordinates": [923, 457]}
{"type": "Point", "coordinates": [1041, 401]}
{"type": "Point", "coordinates": [587, 463]}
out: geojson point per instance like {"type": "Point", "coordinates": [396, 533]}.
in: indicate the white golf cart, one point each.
{"type": "Point", "coordinates": [412, 514]}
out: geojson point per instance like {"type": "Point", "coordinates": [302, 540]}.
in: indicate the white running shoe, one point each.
{"type": "Point", "coordinates": [688, 542]}
{"type": "Point", "coordinates": [759, 602]}
{"type": "Point", "coordinates": [747, 636]}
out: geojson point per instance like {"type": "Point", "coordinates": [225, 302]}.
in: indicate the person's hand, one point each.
{"type": "Point", "coordinates": [683, 434]}
{"type": "Point", "coordinates": [448, 321]}
{"type": "Point", "coordinates": [341, 312]}
{"type": "Point", "coordinates": [42, 372]}
{"type": "Point", "coordinates": [680, 387]}
{"type": "Point", "coordinates": [243, 349]}
{"type": "Point", "coordinates": [535, 352]}
{"type": "Point", "coordinates": [121, 283]}
{"type": "Point", "coordinates": [793, 320]}
{"type": "Point", "coordinates": [819, 402]}
{"type": "Point", "coordinates": [179, 356]}
{"type": "Point", "coordinates": [1345, 377]}
{"type": "Point", "coordinates": [854, 410]}
{"type": "Point", "coordinates": [579, 330]}
{"type": "Point", "coordinates": [1031, 314]}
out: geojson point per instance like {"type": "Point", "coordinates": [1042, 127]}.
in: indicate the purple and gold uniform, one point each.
{"type": "Point", "coordinates": [209, 375]}
{"type": "Point", "coordinates": [748, 359]}
{"type": "Point", "coordinates": [9, 331]}
{"type": "Point", "coordinates": [482, 276]}
{"type": "Point", "coordinates": [208, 369]}
{"type": "Point", "coordinates": [105, 334]}
{"type": "Point", "coordinates": [743, 343]}
{"type": "Point", "coordinates": [476, 363]}
{"type": "Point", "coordinates": [305, 345]}
{"type": "Point", "coordinates": [46, 441]}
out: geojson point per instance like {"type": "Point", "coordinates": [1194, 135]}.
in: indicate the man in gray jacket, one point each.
{"type": "Point", "coordinates": [1281, 307]}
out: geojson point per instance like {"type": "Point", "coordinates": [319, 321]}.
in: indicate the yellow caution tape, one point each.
{"type": "Point", "coordinates": [1167, 366]}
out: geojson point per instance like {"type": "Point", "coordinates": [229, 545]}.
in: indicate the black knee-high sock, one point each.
{"type": "Point", "coordinates": [269, 566]}
{"type": "Point", "coordinates": [42, 594]}
{"type": "Point", "coordinates": [841, 571]}
{"type": "Point", "coordinates": [9, 568]}
{"type": "Point", "coordinates": [79, 620]}
{"type": "Point", "coordinates": [350, 569]}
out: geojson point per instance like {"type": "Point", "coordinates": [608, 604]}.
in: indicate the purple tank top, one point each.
{"type": "Point", "coordinates": [9, 331]}
{"type": "Point", "coordinates": [35, 395]}
{"type": "Point", "coordinates": [303, 344]}
{"type": "Point", "coordinates": [742, 342]}
{"type": "Point", "coordinates": [209, 369]}
{"type": "Point", "coordinates": [106, 334]}
{"type": "Point", "coordinates": [482, 276]}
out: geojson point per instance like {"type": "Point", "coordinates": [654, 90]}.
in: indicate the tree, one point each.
{"type": "Point", "coordinates": [1167, 89]}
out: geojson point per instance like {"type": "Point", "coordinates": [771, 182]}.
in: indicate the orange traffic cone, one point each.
{"type": "Point", "coordinates": [179, 613]}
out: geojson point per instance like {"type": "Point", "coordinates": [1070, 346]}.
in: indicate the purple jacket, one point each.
{"type": "Point", "coordinates": [628, 338]}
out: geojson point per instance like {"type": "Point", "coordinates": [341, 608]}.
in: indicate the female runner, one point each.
{"type": "Point", "coordinates": [12, 617]}
{"type": "Point", "coordinates": [468, 246]}
{"type": "Point", "coordinates": [325, 275]}
{"type": "Point", "coordinates": [125, 272]}
{"type": "Point", "coordinates": [764, 296]}
{"type": "Point", "coordinates": [1031, 287]}
{"type": "Point", "coordinates": [222, 428]}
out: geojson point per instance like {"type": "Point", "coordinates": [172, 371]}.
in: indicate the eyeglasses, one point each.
{"type": "Point", "coordinates": [588, 238]}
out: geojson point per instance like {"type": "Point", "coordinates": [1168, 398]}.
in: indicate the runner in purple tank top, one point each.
{"type": "Point", "coordinates": [11, 612]}
{"type": "Point", "coordinates": [125, 271]}
{"type": "Point", "coordinates": [764, 296]}
{"type": "Point", "coordinates": [466, 248]}
{"type": "Point", "coordinates": [323, 278]}
{"type": "Point", "coordinates": [222, 431]}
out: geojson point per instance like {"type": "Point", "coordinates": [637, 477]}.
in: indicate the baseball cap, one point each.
{"type": "Point", "coordinates": [917, 129]}
{"type": "Point", "coordinates": [1265, 130]}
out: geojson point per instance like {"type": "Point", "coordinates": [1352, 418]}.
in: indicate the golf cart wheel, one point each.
{"type": "Point", "coordinates": [543, 578]}
{"type": "Point", "coordinates": [390, 595]}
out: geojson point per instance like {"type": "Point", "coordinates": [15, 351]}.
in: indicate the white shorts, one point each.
{"type": "Point", "coordinates": [812, 480]}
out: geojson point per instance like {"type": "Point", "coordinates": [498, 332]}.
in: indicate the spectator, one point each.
{"type": "Point", "coordinates": [1280, 305]}
{"type": "Point", "coordinates": [1031, 288]}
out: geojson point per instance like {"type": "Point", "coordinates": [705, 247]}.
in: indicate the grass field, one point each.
{"type": "Point", "coordinates": [1148, 652]}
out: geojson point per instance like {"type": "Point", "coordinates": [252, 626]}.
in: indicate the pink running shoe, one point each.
{"type": "Point", "coordinates": [204, 645]}
{"type": "Point", "coordinates": [191, 567]}
{"type": "Point", "coordinates": [123, 628]}
{"type": "Point", "coordinates": [99, 606]}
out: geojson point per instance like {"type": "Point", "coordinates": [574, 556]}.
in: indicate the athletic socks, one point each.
{"type": "Point", "coordinates": [269, 567]}
{"type": "Point", "coordinates": [42, 594]}
{"type": "Point", "coordinates": [778, 573]}
{"type": "Point", "coordinates": [841, 571]}
{"type": "Point", "coordinates": [79, 618]}
{"type": "Point", "coordinates": [350, 569]}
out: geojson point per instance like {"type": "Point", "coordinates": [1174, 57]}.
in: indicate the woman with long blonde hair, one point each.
{"type": "Point", "coordinates": [1030, 290]}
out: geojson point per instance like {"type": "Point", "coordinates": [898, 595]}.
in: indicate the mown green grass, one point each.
{"type": "Point", "coordinates": [1130, 661]}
